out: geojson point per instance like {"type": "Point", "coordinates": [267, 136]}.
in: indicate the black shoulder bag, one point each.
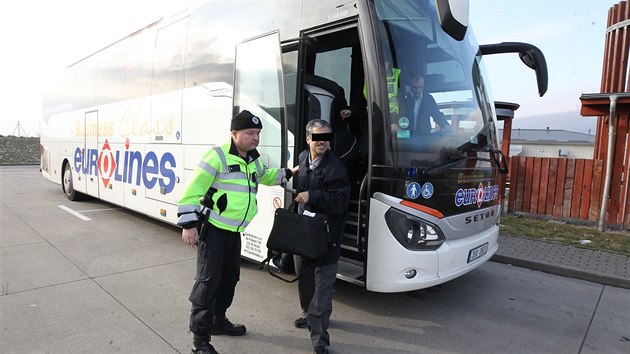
{"type": "Point", "coordinates": [304, 235]}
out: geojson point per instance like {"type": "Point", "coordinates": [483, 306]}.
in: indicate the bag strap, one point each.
{"type": "Point", "coordinates": [265, 263]}
{"type": "Point", "coordinates": [270, 255]}
{"type": "Point", "coordinates": [293, 207]}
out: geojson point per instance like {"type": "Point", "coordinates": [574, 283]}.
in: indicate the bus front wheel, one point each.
{"type": "Point", "coordinates": [68, 186]}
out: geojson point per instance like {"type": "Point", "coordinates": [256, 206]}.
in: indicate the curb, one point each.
{"type": "Point", "coordinates": [563, 271]}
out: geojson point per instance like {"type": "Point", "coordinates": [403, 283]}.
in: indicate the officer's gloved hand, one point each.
{"type": "Point", "coordinates": [190, 236]}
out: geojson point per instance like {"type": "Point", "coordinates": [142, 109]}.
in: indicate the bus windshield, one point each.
{"type": "Point", "coordinates": [440, 109]}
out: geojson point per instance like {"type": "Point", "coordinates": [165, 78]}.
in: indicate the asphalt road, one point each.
{"type": "Point", "coordinates": [119, 281]}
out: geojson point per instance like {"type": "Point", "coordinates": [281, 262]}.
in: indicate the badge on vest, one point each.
{"type": "Point", "coordinates": [234, 168]}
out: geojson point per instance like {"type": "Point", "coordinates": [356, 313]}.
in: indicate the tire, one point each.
{"type": "Point", "coordinates": [67, 184]}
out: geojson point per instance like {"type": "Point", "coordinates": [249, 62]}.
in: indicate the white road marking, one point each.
{"type": "Point", "coordinates": [91, 210]}
{"type": "Point", "coordinates": [75, 213]}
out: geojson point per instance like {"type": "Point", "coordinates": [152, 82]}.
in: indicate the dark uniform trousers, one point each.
{"type": "Point", "coordinates": [315, 289]}
{"type": "Point", "coordinates": [218, 271]}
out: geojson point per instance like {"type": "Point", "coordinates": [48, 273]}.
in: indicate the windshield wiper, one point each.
{"type": "Point", "coordinates": [497, 156]}
{"type": "Point", "coordinates": [499, 160]}
{"type": "Point", "coordinates": [440, 168]}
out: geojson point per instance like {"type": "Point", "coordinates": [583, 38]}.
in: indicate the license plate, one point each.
{"type": "Point", "coordinates": [477, 252]}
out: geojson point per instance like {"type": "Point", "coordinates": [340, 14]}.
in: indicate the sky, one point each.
{"type": "Point", "coordinates": [571, 35]}
{"type": "Point", "coordinates": [41, 38]}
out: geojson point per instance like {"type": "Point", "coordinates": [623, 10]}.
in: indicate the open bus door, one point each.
{"type": "Point", "coordinates": [258, 88]}
{"type": "Point", "coordinates": [324, 71]}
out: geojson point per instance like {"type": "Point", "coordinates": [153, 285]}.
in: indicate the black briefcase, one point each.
{"type": "Point", "coordinates": [306, 236]}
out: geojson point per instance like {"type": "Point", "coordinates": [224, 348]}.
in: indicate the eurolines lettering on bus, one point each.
{"type": "Point", "coordinates": [127, 166]}
{"type": "Point", "coordinates": [479, 195]}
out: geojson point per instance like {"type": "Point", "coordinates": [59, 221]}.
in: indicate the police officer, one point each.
{"type": "Point", "coordinates": [227, 177]}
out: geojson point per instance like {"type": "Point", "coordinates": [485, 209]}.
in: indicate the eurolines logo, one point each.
{"type": "Point", "coordinates": [127, 166]}
{"type": "Point", "coordinates": [476, 195]}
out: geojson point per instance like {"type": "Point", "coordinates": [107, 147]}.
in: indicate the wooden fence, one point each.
{"type": "Point", "coordinates": [572, 188]}
{"type": "Point", "coordinates": [560, 187]}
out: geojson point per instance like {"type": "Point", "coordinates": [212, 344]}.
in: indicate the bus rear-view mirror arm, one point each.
{"type": "Point", "coordinates": [530, 55]}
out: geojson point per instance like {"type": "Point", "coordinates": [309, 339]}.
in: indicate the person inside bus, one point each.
{"type": "Point", "coordinates": [323, 187]}
{"type": "Point", "coordinates": [420, 106]}
{"type": "Point", "coordinates": [223, 179]}
{"type": "Point", "coordinates": [357, 120]}
{"type": "Point", "coordinates": [359, 102]}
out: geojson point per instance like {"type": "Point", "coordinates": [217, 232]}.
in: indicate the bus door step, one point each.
{"type": "Point", "coordinates": [350, 271]}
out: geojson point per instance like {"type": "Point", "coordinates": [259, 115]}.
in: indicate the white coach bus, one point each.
{"type": "Point", "coordinates": [129, 123]}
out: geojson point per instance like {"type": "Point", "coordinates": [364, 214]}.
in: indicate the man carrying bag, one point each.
{"type": "Point", "coordinates": [323, 188]}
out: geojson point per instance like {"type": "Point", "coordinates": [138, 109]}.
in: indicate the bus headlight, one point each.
{"type": "Point", "coordinates": [413, 233]}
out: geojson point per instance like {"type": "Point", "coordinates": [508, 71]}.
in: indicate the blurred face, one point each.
{"type": "Point", "coordinates": [417, 86]}
{"type": "Point", "coordinates": [246, 139]}
{"type": "Point", "coordinates": [318, 148]}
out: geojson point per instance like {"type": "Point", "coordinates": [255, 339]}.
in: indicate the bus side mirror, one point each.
{"type": "Point", "coordinates": [528, 59]}
{"type": "Point", "coordinates": [530, 56]}
{"type": "Point", "coordinates": [453, 16]}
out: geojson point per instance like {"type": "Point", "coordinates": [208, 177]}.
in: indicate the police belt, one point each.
{"type": "Point", "coordinates": [213, 228]}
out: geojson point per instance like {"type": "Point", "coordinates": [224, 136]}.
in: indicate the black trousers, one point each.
{"type": "Point", "coordinates": [218, 271]}
{"type": "Point", "coordinates": [315, 290]}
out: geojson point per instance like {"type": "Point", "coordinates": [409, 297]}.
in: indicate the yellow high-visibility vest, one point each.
{"type": "Point", "coordinates": [236, 183]}
{"type": "Point", "coordinates": [392, 91]}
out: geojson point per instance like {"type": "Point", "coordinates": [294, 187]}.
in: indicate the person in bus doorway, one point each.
{"type": "Point", "coordinates": [420, 107]}
{"type": "Point", "coordinates": [392, 82]}
{"type": "Point", "coordinates": [227, 178]}
{"type": "Point", "coordinates": [323, 187]}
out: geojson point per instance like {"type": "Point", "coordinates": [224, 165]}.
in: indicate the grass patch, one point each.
{"type": "Point", "coordinates": [569, 234]}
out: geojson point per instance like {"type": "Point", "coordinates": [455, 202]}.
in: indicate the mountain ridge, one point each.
{"type": "Point", "coordinates": [569, 120]}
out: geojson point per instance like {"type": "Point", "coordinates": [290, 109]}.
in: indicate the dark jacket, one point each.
{"type": "Point", "coordinates": [329, 190]}
{"type": "Point", "coordinates": [428, 108]}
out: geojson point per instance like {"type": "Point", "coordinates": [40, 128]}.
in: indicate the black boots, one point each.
{"type": "Point", "coordinates": [320, 350]}
{"type": "Point", "coordinates": [221, 325]}
{"type": "Point", "coordinates": [300, 322]}
{"type": "Point", "coordinates": [201, 345]}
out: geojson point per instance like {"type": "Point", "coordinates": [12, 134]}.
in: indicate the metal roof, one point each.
{"type": "Point", "coordinates": [551, 136]}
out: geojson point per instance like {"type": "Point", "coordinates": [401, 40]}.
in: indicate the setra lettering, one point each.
{"type": "Point", "coordinates": [480, 216]}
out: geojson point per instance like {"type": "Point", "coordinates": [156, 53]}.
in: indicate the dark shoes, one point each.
{"type": "Point", "coordinates": [208, 349]}
{"type": "Point", "coordinates": [300, 322]}
{"type": "Point", "coordinates": [201, 345]}
{"type": "Point", "coordinates": [221, 325]}
{"type": "Point", "coordinates": [321, 350]}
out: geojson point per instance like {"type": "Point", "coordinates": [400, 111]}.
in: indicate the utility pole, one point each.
{"type": "Point", "coordinates": [19, 130]}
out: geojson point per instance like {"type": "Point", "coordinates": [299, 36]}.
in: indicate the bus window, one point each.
{"type": "Point", "coordinates": [138, 66]}
{"type": "Point", "coordinates": [111, 74]}
{"type": "Point", "coordinates": [168, 62]}
{"type": "Point", "coordinates": [335, 65]}
{"type": "Point", "coordinates": [205, 61]}
{"type": "Point", "coordinates": [84, 84]}
{"type": "Point", "coordinates": [290, 63]}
